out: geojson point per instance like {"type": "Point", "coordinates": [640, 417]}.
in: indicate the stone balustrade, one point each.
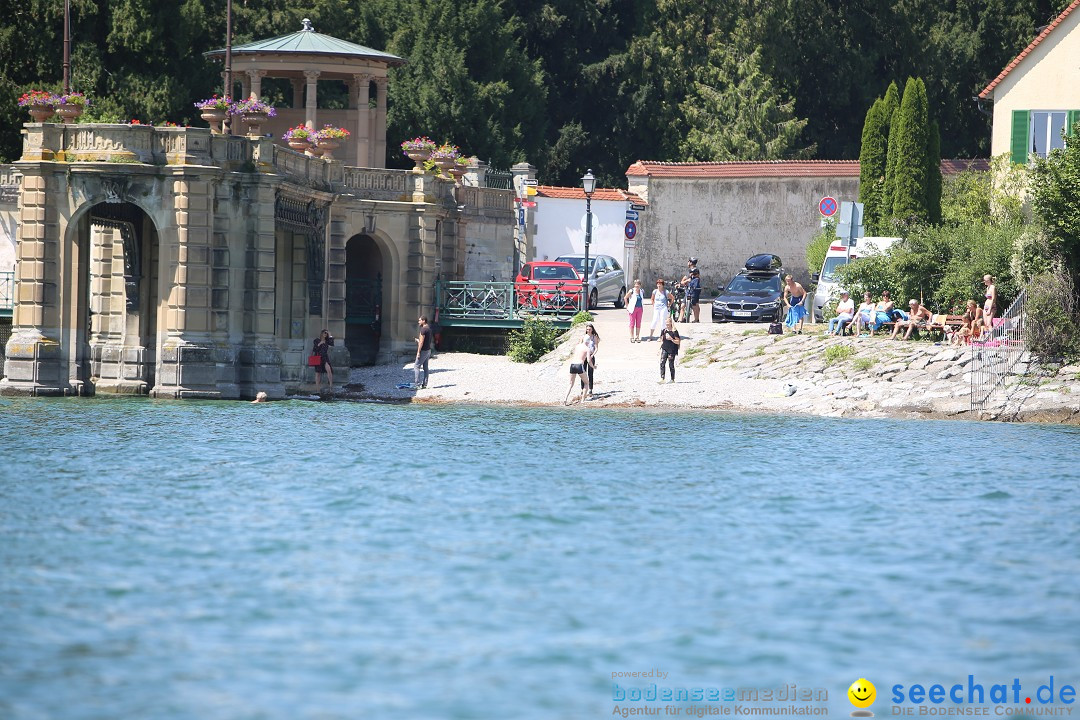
{"type": "Point", "coordinates": [161, 146]}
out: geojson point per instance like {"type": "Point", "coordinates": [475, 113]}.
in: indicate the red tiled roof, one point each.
{"type": "Point", "coordinates": [1027, 51]}
{"type": "Point", "coordinates": [747, 169]}
{"type": "Point", "coordinates": [775, 168]}
{"type": "Point", "coordinates": [576, 193]}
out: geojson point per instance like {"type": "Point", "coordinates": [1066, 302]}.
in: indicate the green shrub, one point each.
{"type": "Point", "coordinates": [863, 363]}
{"type": "Point", "coordinates": [1051, 325]}
{"type": "Point", "coordinates": [532, 341]}
{"type": "Point", "coordinates": [582, 316]}
{"type": "Point", "coordinates": [837, 353]}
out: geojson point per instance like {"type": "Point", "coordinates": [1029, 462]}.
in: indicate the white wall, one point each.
{"type": "Point", "coordinates": [560, 228]}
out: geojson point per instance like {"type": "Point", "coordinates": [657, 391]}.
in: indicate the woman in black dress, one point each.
{"type": "Point", "coordinates": [321, 347]}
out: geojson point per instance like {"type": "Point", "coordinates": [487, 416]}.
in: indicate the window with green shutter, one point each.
{"type": "Point", "coordinates": [1073, 123]}
{"type": "Point", "coordinates": [1021, 144]}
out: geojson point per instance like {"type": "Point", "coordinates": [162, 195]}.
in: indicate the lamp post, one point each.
{"type": "Point", "coordinates": [67, 46]}
{"type": "Point", "coordinates": [588, 183]}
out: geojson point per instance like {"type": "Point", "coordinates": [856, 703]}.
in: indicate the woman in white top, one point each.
{"type": "Point", "coordinates": [635, 306]}
{"type": "Point", "coordinates": [865, 316]}
{"type": "Point", "coordinates": [592, 341]}
{"type": "Point", "coordinates": [660, 300]}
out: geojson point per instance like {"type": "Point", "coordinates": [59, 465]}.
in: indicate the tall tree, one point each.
{"type": "Point", "coordinates": [908, 162]}
{"type": "Point", "coordinates": [933, 174]}
{"type": "Point", "coordinates": [872, 157]}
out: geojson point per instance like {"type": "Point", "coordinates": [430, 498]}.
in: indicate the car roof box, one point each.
{"type": "Point", "coordinates": [764, 262]}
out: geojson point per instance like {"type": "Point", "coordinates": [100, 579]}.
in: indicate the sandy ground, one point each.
{"type": "Point", "coordinates": [627, 374]}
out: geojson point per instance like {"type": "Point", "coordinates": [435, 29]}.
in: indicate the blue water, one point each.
{"type": "Point", "coordinates": [176, 560]}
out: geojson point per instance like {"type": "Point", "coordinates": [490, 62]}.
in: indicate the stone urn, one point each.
{"type": "Point", "coordinates": [444, 164]}
{"type": "Point", "coordinates": [457, 172]}
{"type": "Point", "coordinates": [419, 157]}
{"type": "Point", "coordinates": [68, 113]}
{"type": "Point", "coordinates": [300, 145]}
{"type": "Point", "coordinates": [215, 117]}
{"type": "Point", "coordinates": [328, 146]}
{"type": "Point", "coordinates": [41, 113]}
{"type": "Point", "coordinates": [254, 122]}
{"type": "Point", "coordinates": [315, 151]}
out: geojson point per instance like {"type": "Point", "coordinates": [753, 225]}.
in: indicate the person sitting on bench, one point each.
{"type": "Point", "coordinates": [918, 317]}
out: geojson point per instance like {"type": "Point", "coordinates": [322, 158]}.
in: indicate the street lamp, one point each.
{"type": "Point", "coordinates": [588, 182]}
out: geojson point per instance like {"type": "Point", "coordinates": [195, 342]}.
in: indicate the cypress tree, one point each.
{"type": "Point", "coordinates": [872, 157]}
{"type": "Point", "coordinates": [890, 104]}
{"type": "Point", "coordinates": [933, 174]}
{"type": "Point", "coordinates": [909, 140]}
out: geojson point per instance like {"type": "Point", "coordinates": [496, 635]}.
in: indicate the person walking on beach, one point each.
{"type": "Point", "coordinates": [669, 347]}
{"type": "Point", "coordinates": [423, 353]}
{"type": "Point", "coordinates": [660, 300]}
{"type": "Point", "coordinates": [579, 358]}
{"type": "Point", "coordinates": [635, 306]}
{"type": "Point", "coordinates": [321, 347]}
{"type": "Point", "coordinates": [592, 341]}
{"type": "Point", "coordinates": [795, 299]}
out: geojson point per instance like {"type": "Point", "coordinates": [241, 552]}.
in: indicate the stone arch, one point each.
{"type": "Point", "coordinates": [370, 268]}
{"type": "Point", "coordinates": [115, 292]}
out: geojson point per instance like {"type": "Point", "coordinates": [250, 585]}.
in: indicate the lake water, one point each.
{"type": "Point", "coordinates": [173, 560]}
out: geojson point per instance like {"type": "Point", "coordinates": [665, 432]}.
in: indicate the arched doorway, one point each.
{"type": "Point", "coordinates": [119, 250]}
{"type": "Point", "coordinates": [365, 311]}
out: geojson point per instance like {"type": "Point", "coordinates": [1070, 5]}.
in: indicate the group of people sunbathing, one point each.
{"type": "Point", "coordinates": [871, 316]}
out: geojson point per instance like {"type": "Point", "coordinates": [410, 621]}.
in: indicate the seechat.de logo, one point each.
{"type": "Point", "coordinates": [862, 694]}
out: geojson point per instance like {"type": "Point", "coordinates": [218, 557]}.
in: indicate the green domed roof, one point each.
{"type": "Point", "coordinates": [309, 42]}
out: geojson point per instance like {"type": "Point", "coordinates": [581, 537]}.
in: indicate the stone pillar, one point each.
{"type": "Point", "coordinates": [34, 363]}
{"type": "Point", "coordinates": [310, 99]}
{"type": "Point", "coordinates": [255, 82]}
{"type": "Point", "coordinates": [188, 361]}
{"type": "Point", "coordinates": [297, 92]}
{"type": "Point", "coordinates": [378, 159]}
{"type": "Point", "coordinates": [336, 291]}
{"type": "Point", "coordinates": [245, 87]}
{"type": "Point", "coordinates": [260, 357]}
{"type": "Point", "coordinates": [363, 124]}
{"type": "Point", "coordinates": [523, 244]}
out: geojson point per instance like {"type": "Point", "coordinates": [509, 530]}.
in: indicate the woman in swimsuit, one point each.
{"type": "Point", "coordinates": [990, 305]}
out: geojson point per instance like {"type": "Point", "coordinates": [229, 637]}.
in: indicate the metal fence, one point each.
{"type": "Point", "coordinates": [501, 179]}
{"type": "Point", "coordinates": [7, 292]}
{"type": "Point", "coordinates": [995, 354]}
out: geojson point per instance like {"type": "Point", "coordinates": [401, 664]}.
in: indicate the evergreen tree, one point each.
{"type": "Point", "coordinates": [890, 104]}
{"type": "Point", "coordinates": [872, 157]}
{"type": "Point", "coordinates": [734, 111]}
{"type": "Point", "coordinates": [908, 164]}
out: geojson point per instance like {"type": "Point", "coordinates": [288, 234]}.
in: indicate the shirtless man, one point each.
{"type": "Point", "coordinates": [578, 365]}
{"type": "Point", "coordinates": [919, 316]}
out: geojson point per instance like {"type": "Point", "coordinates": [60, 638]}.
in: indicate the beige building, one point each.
{"type": "Point", "coordinates": [1037, 96]}
{"type": "Point", "coordinates": [724, 212]}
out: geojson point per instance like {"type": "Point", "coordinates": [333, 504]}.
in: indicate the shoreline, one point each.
{"type": "Point", "coordinates": [738, 368]}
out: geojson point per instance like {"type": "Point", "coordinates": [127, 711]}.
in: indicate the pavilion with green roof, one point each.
{"type": "Point", "coordinates": [306, 57]}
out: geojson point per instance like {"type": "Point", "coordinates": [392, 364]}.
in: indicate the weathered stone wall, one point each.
{"type": "Point", "coordinates": [723, 222]}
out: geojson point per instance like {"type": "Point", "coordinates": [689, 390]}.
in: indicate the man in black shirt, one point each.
{"type": "Point", "coordinates": [669, 348]}
{"type": "Point", "coordinates": [423, 352]}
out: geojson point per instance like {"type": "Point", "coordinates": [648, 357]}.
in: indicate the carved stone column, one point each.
{"type": "Point", "coordinates": [259, 357]}
{"type": "Point", "coordinates": [379, 154]}
{"type": "Point", "coordinates": [255, 83]}
{"type": "Point", "coordinates": [310, 101]}
{"type": "Point", "coordinates": [363, 125]}
{"type": "Point", "coordinates": [188, 360]}
{"type": "Point", "coordinates": [35, 362]}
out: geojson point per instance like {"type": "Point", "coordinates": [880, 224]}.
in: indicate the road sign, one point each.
{"type": "Point", "coordinates": [529, 182]}
{"type": "Point", "coordinates": [636, 206]}
{"type": "Point", "coordinates": [631, 215]}
{"type": "Point", "coordinates": [629, 244]}
{"type": "Point", "coordinates": [850, 226]}
{"type": "Point", "coordinates": [630, 230]}
{"type": "Point", "coordinates": [521, 217]}
{"type": "Point", "coordinates": [528, 203]}
{"type": "Point", "coordinates": [530, 191]}
{"type": "Point", "coordinates": [827, 206]}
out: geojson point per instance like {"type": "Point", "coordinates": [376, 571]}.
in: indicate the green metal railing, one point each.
{"type": "Point", "coordinates": [501, 179]}
{"type": "Point", "coordinates": [7, 293]}
{"type": "Point", "coordinates": [499, 304]}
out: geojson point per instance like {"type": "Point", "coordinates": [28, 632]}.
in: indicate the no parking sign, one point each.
{"type": "Point", "coordinates": [827, 206]}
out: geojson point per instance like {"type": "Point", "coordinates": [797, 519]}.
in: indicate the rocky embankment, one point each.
{"type": "Point", "coordinates": [741, 368]}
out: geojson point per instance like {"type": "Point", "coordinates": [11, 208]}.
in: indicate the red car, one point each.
{"type": "Point", "coordinates": [548, 286]}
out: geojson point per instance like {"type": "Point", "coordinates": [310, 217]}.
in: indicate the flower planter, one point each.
{"type": "Point", "coordinates": [457, 173]}
{"type": "Point", "coordinates": [315, 151]}
{"type": "Point", "coordinates": [215, 118]}
{"type": "Point", "coordinates": [300, 145]}
{"type": "Point", "coordinates": [328, 147]}
{"type": "Point", "coordinates": [419, 157]}
{"type": "Point", "coordinates": [69, 112]}
{"type": "Point", "coordinates": [41, 113]}
{"type": "Point", "coordinates": [254, 122]}
{"type": "Point", "coordinates": [444, 164]}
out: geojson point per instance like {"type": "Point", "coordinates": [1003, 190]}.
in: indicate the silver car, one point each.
{"type": "Point", "coordinates": [607, 281]}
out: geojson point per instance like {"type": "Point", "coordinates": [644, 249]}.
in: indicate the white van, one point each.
{"type": "Point", "coordinates": [828, 291]}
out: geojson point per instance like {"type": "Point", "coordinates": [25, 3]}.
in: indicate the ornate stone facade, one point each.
{"type": "Point", "coordinates": [172, 262]}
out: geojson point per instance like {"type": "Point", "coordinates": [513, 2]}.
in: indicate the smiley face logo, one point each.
{"type": "Point", "coordinates": [862, 694]}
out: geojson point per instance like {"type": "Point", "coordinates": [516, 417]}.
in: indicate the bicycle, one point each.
{"type": "Point", "coordinates": [561, 304]}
